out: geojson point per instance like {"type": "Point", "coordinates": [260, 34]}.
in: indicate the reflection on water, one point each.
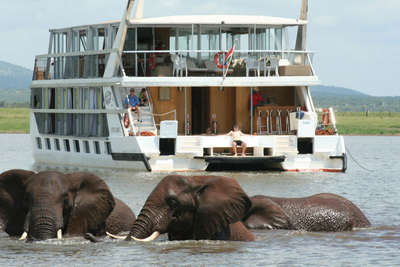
{"type": "Point", "coordinates": [375, 193]}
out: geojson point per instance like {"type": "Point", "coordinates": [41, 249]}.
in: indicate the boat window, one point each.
{"type": "Point", "coordinates": [97, 147]}
{"type": "Point", "coordinates": [164, 93]}
{"type": "Point", "coordinates": [77, 147]}
{"type": "Point", "coordinates": [210, 40]}
{"type": "Point", "coordinates": [57, 144]}
{"type": "Point", "coordinates": [86, 146]}
{"type": "Point", "coordinates": [108, 148]}
{"type": "Point", "coordinates": [36, 98]}
{"type": "Point", "coordinates": [48, 144]}
{"type": "Point", "coordinates": [70, 123]}
{"type": "Point", "coordinates": [38, 143]}
{"type": "Point", "coordinates": [130, 43]}
{"type": "Point", "coordinates": [67, 147]}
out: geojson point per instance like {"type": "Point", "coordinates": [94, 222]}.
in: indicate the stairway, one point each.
{"type": "Point", "coordinates": [190, 145]}
{"type": "Point", "coordinates": [285, 144]}
{"type": "Point", "coordinates": [146, 116]}
{"type": "Point", "coordinates": [147, 123]}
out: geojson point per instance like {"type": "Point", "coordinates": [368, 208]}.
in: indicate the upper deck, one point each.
{"type": "Point", "coordinates": [181, 51]}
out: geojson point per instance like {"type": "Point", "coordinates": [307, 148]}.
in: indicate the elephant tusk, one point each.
{"type": "Point", "coordinates": [24, 235]}
{"type": "Point", "coordinates": [59, 234]}
{"type": "Point", "coordinates": [148, 239]}
{"type": "Point", "coordinates": [115, 236]}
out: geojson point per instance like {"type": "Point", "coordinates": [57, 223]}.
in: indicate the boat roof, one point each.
{"type": "Point", "coordinates": [231, 20]}
{"type": "Point", "coordinates": [210, 20]}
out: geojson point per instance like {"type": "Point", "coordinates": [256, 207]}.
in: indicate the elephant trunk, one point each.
{"type": "Point", "coordinates": [44, 223]}
{"type": "Point", "coordinates": [147, 226]}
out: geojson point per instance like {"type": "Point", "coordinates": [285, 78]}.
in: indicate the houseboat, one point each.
{"type": "Point", "coordinates": [198, 72]}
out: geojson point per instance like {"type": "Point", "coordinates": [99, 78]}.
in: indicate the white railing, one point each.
{"type": "Point", "coordinates": [91, 64]}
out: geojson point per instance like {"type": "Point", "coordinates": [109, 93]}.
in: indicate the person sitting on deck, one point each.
{"type": "Point", "coordinates": [236, 137]}
{"type": "Point", "coordinates": [132, 103]}
{"type": "Point", "coordinates": [143, 97]}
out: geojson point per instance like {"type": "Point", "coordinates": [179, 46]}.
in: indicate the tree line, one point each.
{"type": "Point", "coordinates": [359, 103]}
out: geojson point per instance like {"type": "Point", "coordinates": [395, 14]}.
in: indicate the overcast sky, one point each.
{"type": "Point", "coordinates": [357, 42]}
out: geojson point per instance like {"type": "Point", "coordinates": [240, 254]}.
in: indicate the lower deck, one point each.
{"type": "Point", "coordinates": [193, 153]}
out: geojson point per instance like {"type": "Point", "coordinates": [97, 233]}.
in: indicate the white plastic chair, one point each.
{"type": "Point", "coordinates": [273, 65]}
{"type": "Point", "coordinates": [252, 64]}
{"type": "Point", "coordinates": [179, 64]}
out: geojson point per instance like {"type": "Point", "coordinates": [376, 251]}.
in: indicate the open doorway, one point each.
{"type": "Point", "coordinates": [200, 109]}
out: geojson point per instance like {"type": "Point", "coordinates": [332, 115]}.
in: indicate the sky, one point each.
{"type": "Point", "coordinates": [356, 43]}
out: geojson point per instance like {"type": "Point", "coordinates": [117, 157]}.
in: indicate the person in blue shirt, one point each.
{"type": "Point", "coordinates": [132, 103]}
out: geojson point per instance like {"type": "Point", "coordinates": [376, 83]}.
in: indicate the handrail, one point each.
{"type": "Point", "coordinates": [67, 59]}
{"type": "Point", "coordinates": [169, 112]}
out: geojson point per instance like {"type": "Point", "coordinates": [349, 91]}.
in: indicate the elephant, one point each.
{"type": "Point", "coordinates": [319, 213]}
{"type": "Point", "coordinates": [193, 208]}
{"type": "Point", "coordinates": [51, 204]}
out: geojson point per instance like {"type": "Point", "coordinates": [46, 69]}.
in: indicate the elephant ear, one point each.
{"type": "Point", "coordinates": [265, 214]}
{"type": "Point", "coordinates": [12, 209]}
{"type": "Point", "coordinates": [93, 203]}
{"type": "Point", "coordinates": [221, 201]}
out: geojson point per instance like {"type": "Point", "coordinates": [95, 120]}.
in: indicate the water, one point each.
{"type": "Point", "coordinates": [375, 193]}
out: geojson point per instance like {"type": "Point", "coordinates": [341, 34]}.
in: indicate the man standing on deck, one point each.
{"type": "Point", "coordinates": [236, 137]}
{"type": "Point", "coordinates": [132, 102]}
{"type": "Point", "coordinates": [257, 99]}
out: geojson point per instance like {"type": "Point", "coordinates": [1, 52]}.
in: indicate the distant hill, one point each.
{"type": "Point", "coordinates": [328, 91]}
{"type": "Point", "coordinates": [344, 99]}
{"type": "Point", "coordinates": [14, 77]}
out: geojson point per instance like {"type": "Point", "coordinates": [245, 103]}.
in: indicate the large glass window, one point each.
{"type": "Point", "coordinates": [83, 124]}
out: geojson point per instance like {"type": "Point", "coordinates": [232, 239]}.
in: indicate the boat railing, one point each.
{"type": "Point", "coordinates": [74, 65]}
{"type": "Point", "coordinates": [151, 107]}
{"type": "Point", "coordinates": [327, 120]}
{"type": "Point", "coordinates": [159, 62]}
{"type": "Point", "coordinates": [92, 64]}
{"type": "Point", "coordinates": [165, 114]}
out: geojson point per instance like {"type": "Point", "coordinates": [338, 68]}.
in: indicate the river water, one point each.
{"type": "Point", "coordinates": [372, 182]}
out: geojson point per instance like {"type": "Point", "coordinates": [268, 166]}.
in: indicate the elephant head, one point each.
{"type": "Point", "coordinates": [48, 204]}
{"type": "Point", "coordinates": [198, 207]}
{"type": "Point", "coordinates": [322, 212]}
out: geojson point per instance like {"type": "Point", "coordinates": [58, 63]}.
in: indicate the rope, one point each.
{"type": "Point", "coordinates": [356, 160]}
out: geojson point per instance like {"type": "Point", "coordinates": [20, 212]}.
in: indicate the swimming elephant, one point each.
{"type": "Point", "coordinates": [322, 212]}
{"type": "Point", "coordinates": [48, 204]}
{"type": "Point", "coordinates": [194, 208]}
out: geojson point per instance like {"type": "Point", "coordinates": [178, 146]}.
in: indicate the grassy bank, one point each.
{"type": "Point", "coordinates": [376, 123]}
{"type": "Point", "coordinates": [16, 120]}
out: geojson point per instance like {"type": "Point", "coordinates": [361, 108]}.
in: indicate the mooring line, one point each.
{"type": "Point", "coordinates": [356, 160]}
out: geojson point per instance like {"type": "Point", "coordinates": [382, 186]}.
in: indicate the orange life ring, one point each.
{"type": "Point", "coordinates": [325, 117]}
{"type": "Point", "coordinates": [152, 61]}
{"type": "Point", "coordinates": [216, 59]}
{"type": "Point", "coordinates": [126, 120]}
